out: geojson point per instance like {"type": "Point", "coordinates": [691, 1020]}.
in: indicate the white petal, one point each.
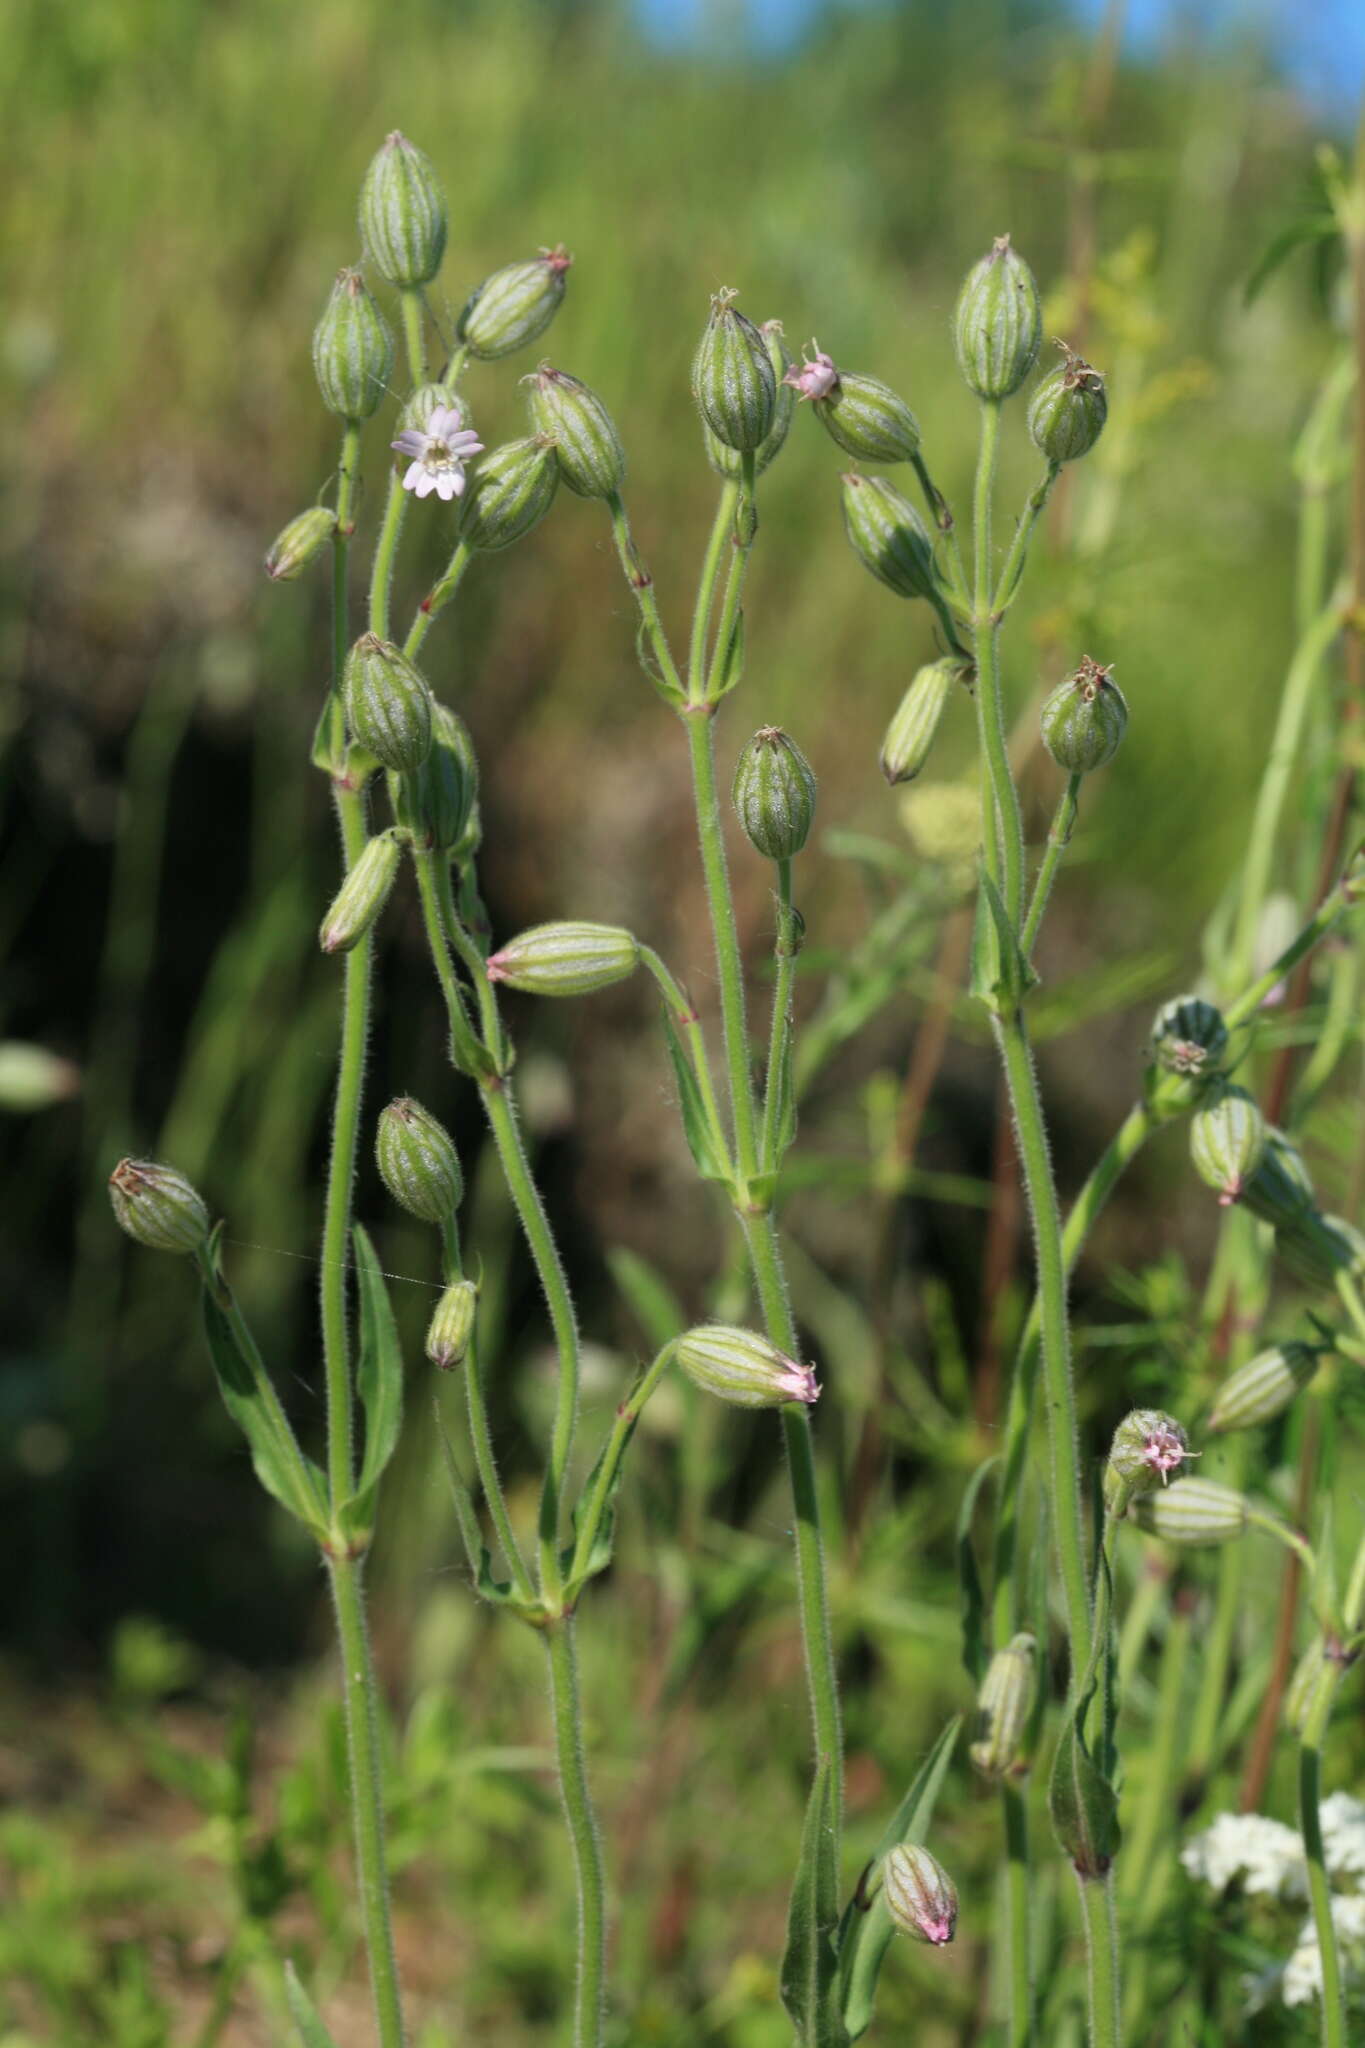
{"type": "Point", "coordinates": [466, 444]}
{"type": "Point", "coordinates": [426, 484]}
{"type": "Point", "coordinates": [458, 483]}
{"type": "Point", "coordinates": [445, 421]}
{"type": "Point", "coordinates": [410, 442]}
{"type": "Point", "coordinates": [413, 480]}
{"type": "Point", "coordinates": [445, 484]}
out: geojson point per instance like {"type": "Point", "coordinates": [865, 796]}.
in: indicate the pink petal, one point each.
{"type": "Point", "coordinates": [426, 484]}
{"type": "Point", "coordinates": [445, 485]}
{"type": "Point", "coordinates": [412, 481]}
{"type": "Point", "coordinates": [466, 444]}
{"type": "Point", "coordinates": [409, 442]}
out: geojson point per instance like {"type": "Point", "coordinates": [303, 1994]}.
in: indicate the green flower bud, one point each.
{"type": "Point", "coordinates": [427, 399]}
{"type": "Point", "coordinates": [888, 536]}
{"type": "Point", "coordinates": [452, 1325]}
{"type": "Point", "coordinates": [725, 460]}
{"type": "Point", "coordinates": [1280, 1191]}
{"type": "Point", "coordinates": [1193, 1513]}
{"type": "Point", "coordinates": [403, 213]}
{"type": "Point", "coordinates": [514, 305]}
{"type": "Point", "coordinates": [435, 803]}
{"type": "Point", "coordinates": [1316, 1248]}
{"type": "Point", "coordinates": [1189, 1037]}
{"type": "Point", "coordinates": [743, 1368]}
{"type": "Point", "coordinates": [299, 543]}
{"type": "Point", "coordinates": [509, 492]}
{"type": "Point", "coordinates": [417, 1161]}
{"type": "Point", "coordinates": [157, 1206]}
{"type": "Point", "coordinates": [1303, 1685]}
{"type": "Point", "coordinates": [733, 380]}
{"type": "Point", "coordinates": [1147, 1446]}
{"type": "Point", "coordinates": [565, 959]}
{"type": "Point", "coordinates": [588, 448]}
{"type": "Point", "coordinates": [920, 1896]}
{"type": "Point", "coordinates": [1003, 1707]}
{"type": "Point", "coordinates": [998, 324]}
{"type": "Point", "coordinates": [1067, 412]}
{"type": "Point", "coordinates": [1228, 1142]}
{"type": "Point", "coordinates": [352, 350]}
{"type": "Point", "coordinates": [774, 794]}
{"type": "Point", "coordinates": [911, 732]}
{"type": "Point", "coordinates": [362, 896]}
{"type": "Point", "coordinates": [1084, 719]}
{"type": "Point", "coordinates": [1263, 1388]}
{"type": "Point", "coordinates": [867, 419]}
{"type": "Point", "coordinates": [388, 705]}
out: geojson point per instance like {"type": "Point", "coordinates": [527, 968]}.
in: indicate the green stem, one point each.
{"type": "Point", "coordinates": [642, 584]}
{"type": "Point", "coordinates": [779, 1038]}
{"type": "Point", "coordinates": [1058, 839]}
{"type": "Point", "coordinates": [1009, 844]}
{"type": "Point", "coordinates": [455, 368]}
{"type": "Point", "coordinates": [481, 1438]}
{"type": "Point", "coordinates": [367, 1797]}
{"type": "Point", "coordinates": [1310, 1821]}
{"type": "Point", "coordinates": [582, 1823]}
{"type": "Point", "coordinates": [686, 1018]}
{"type": "Point", "coordinates": [1023, 535]}
{"type": "Point", "coordinates": [1319, 925]}
{"type": "Point", "coordinates": [410, 300]}
{"type": "Point", "coordinates": [594, 1506]}
{"type": "Point", "coordinates": [472, 960]}
{"type": "Point", "coordinates": [943, 519]}
{"type": "Point", "coordinates": [437, 598]}
{"type": "Point", "coordinates": [740, 550]}
{"type": "Point", "coordinates": [722, 530]}
{"type": "Point", "coordinates": [702, 741]}
{"type": "Point", "coordinates": [1019, 2031]}
{"type": "Point", "coordinates": [1101, 1938]}
{"type": "Point", "coordinates": [385, 555]}
{"type": "Point", "coordinates": [464, 1043]}
{"type": "Point", "coordinates": [1157, 1800]}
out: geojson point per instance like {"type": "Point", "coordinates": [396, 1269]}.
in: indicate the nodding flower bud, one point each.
{"type": "Point", "coordinates": [509, 492]}
{"type": "Point", "coordinates": [300, 543]}
{"type": "Point", "coordinates": [417, 1161]}
{"type": "Point", "coordinates": [743, 1368]}
{"type": "Point", "coordinates": [867, 418]}
{"type": "Point", "coordinates": [515, 305]}
{"type": "Point", "coordinates": [1193, 1513]}
{"type": "Point", "coordinates": [727, 461]}
{"type": "Point", "coordinates": [388, 705]}
{"type": "Point", "coordinates": [157, 1206]}
{"type": "Point", "coordinates": [1003, 1707]}
{"type": "Point", "coordinates": [920, 1896]}
{"type": "Point", "coordinates": [1263, 1388]}
{"type": "Point", "coordinates": [1189, 1037]}
{"type": "Point", "coordinates": [733, 380]}
{"type": "Point", "coordinates": [403, 213]}
{"type": "Point", "coordinates": [1316, 1248]}
{"type": "Point", "coordinates": [436, 802]}
{"type": "Point", "coordinates": [1227, 1142]}
{"type": "Point", "coordinates": [1084, 719]}
{"type": "Point", "coordinates": [774, 794]}
{"type": "Point", "coordinates": [1066, 414]}
{"type": "Point", "coordinates": [565, 959]}
{"type": "Point", "coordinates": [888, 536]}
{"type": "Point", "coordinates": [1280, 1191]}
{"type": "Point", "coordinates": [362, 896]}
{"type": "Point", "coordinates": [588, 448]}
{"type": "Point", "coordinates": [998, 324]}
{"type": "Point", "coordinates": [1147, 1447]}
{"type": "Point", "coordinates": [452, 1325]}
{"type": "Point", "coordinates": [910, 734]}
{"type": "Point", "coordinates": [352, 350]}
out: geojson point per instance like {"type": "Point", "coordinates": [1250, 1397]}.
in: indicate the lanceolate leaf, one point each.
{"type": "Point", "coordinates": [312, 2032]}
{"type": "Point", "coordinates": [1311, 227]}
{"type": "Point", "coordinates": [379, 1370]}
{"type": "Point", "coordinates": [279, 1464]}
{"type": "Point", "coordinates": [810, 1964]}
{"type": "Point", "coordinates": [974, 1647]}
{"type": "Point", "coordinates": [696, 1128]}
{"type": "Point", "coordinates": [480, 1563]}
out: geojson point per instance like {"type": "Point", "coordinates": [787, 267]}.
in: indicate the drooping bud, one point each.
{"type": "Point", "coordinates": [158, 1206]}
{"type": "Point", "coordinates": [868, 419]}
{"type": "Point", "coordinates": [1147, 1447]}
{"type": "Point", "coordinates": [1193, 1514]}
{"type": "Point", "coordinates": [388, 705]}
{"type": "Point", "coordinates": [514, 305]}
{"type": "Point", "coordinates": [588, 448]}
{"type": "Point", "coordinates": [417, 1161]}
{"type": "Point", "coordinates": [998, 324]}
{"type": "Point", "coordinates": [1316, 1248]}
{"type": "Point", "coordinates": [1003, 1707]}
{"type": "Point", "coordinates": [403, 213]}
{"type": "Point", "coordinates": [726, 461]}
{"type": "Point", "coordinates": [1189, 1037]}
{"type": "Point", "coordinates": [733, 380]}
{"type": "Point", "coordinates": [1281, 1190]}
{"type": "Point", "coordinates": [435, 803]}
{"type": "Point", "coordinates": [774, 794]}
{"type": "Point", "coordinates": [362, 896]}
{"type": "Point", "coordinates": [509, 492]}
{"type": "Point", "coordinates": [1228, 1142]}
{"type": "Point", "coordinates": [1066, 414]}
{"type": "Point", "coordinates": [888, 536]}
{"type": "Point", "coordinates": [300, 543]}
{"type": "Point", "coordinates": [743, 1368]}
{"type": "Point", "coordinates": [352, 350]}
{"type": "Point", "coordinates": [920, 1896]}
{"type": "Point", "coordinates": [566, 959]}
{"type": "Point", "coordinates": [911, 732]}
{"type": "Point", "coordinates": [1263, 1388]}
{"type": "Point", "coordinates": [452, 1325]}
{"type": "Point", "coordinates": [1084, 719]}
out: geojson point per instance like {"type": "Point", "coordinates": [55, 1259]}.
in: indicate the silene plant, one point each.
{"type": "Point", "coordinates": [1042, 1636]}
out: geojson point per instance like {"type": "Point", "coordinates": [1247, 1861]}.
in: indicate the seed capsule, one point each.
{"type": "Point", "coordinates": [1280, 1191]}
{"type": "Point", "coordinates": [435, 804]}
{"type": "Point", "coordinates": [1193, 1513]}
{"type": "Point", "coordinates": [920, 1896]}
{"type": "Point", "coordinates": [300, 543]}
{"type": "Point", "coordinates": [998, 324]}
{"type": "Point", "coordinates": [1189, 1037]}
{"type": "Point", "coordinates": [1148, 1445]}
{"type": "Point", "coordinates": [452, 1325]}
{"type": "Point", "coordinates": [911, 732]}
{"type": "Point", "coordinates": [588, 448]}
{"type": "Point", "coordinates": [888, 536]}
{"type": "Point", "coordinates": [158, 1207]}
{"type": "Point", "coordinates": [733, 380]}
{"type": "Point", "coordinates": [743, 1368]}
{"type": "Point", "coordinates": [1067, 412]}
{"type": "Point", "coordinates": [403, 213]}
{"type": "Point", "coordinates": [352, 350]}
{"type": "Point", "coordinates": [868, 419]}
{"type": "Point", "coordinates": [1084, 719]}
{"type": "Point", "coordinates": [388, 705]}
{"type": "Point", "coordinates": [1003, 1707]}
{"type": "Point", "coordinates": [509, 492]}
{"type": "Point", "coordinates": [774, 794]}
{"type": "Point", "coordinates": [725, 460]}
{"type": "Point", "coordinates": [417, 1161]}
{"type": "Point", "coordinates": [565, 959]}
{"type": "Point", "coordinates": [361, 898]}
{"type": "Point", "coordinates": [514, 305]}
{"type": "Point", "coordinates": [1228, 1142]}
{"type": "Point", "coordinates": [1264, 1387]}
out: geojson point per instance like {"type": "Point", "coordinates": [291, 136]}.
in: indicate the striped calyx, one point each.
{"type": "Point", "coordinates": [509, 492]}
{"type": "Point", "coordinates": [300, 543]}
{"type": "Point", "coordinates": [1189, 1037]}
{"type": "Point", "coordinates": [1066, 413]}
{"type": "Point", "coordinates": [452, 1325]}
{"type": "Point", "coordinates": [910, 734]}
{"type": "Point", "coordinates": [1299, 1693]}
{"type": "Point", "coordinates": [388, 705]}
{"type": "Point", "coordinates": [1084, 719]}
{"type": "Point", "coordinates": [1003, 1707]}
{"type": "Point", "coordinates": [1228, 1140]}
{"type": "Point", "coordinates": [743, 1368]}
{"type": "Point", "coordinates": [158, 1207]}
{"type": "Point", "coordinates": [1316, 1248]}
{"type": "Point", "coordinates": [1148, 1446]}
{"type": "Point", "coordinates": [1193, 1513]}
{"type": "Point", "coordinates": [566, 959]}
{"type": "Point", "coordinates": [1280, 1191]}
{"type": "Point", "coordinates": [867, 418]}
{"type": "Point", "coordinates": [352, 350]}
{"type": "Point", "coordinates": [1264, 1387]}
{"type": "Point", "coordinates": [733, 380]}
{"type": "Point", "coordinates": [427, 399]}
{"type": "Point", "coordinates": [403, 213]}
{"type": "Point", "coordinates": [361, 898]}
{"type": "Point", "coordinates": [920, 1896]}
{"type": "Point", "coordinates": [726, 461]}
{"type": "Point", "coordinates": [417, 1161]}
{"type": "Point", "coordinates": [887, 535]}
{"type": "Point", "coordinates": [774, 794]}
{"type": "Point", "coordinates": [436, 802]}
{"type": "Point", "coordinates": [998, 323]}
{"type": "Point", "coordinates": [515, 305]}
{"type": "Point", "coordinates": [588, 448]}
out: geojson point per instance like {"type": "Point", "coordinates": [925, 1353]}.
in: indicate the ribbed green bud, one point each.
{"type": "Point", "coordinates": [887, 535]}
{"type": "Point", "coordinates": [352, 350]}
{"type": "Point", "coordinates": [158, 1206]}
{"type": "Point", "coordinates": [1263, 1388]}
{"type": "Point", "coordinates": [1280, 1191]}
{"type": "Point", "coordinates": [1193, 1513]}
{"type": "Point", "coordinates": [436, 802]}
{"type": "Point", "coordinates": [1084, 719]}
{"type": "Point", "coordinates": [452, 1325]}
{"type": "Point", "coordinates": [417, 1161]}
{"type": "Point", "coordinates": [774, 794]}
{"type": "Point", "coordinates": [1316, 1248]}
{"type": "Point", "coordinates": [362, 896]}
{"type": "Point", "coordinates": [588, 448]}
{"type": "Point", "coordinates": [427, 399]}
{"type": "Point", "coordinates": [910, 734]}
{"type": "Point", "coordinates": [403, 213]}
{"type": "Point", "coordinates": [1003, 1707]}
{"type": "Point", "coordinates": [1148, 1446]}
{"type": "Point", "coordinates": [920, 1896]}
{"type": "Point", "coordinates": [515, 305]}
{"type": "Point", "coordinates": [868, 419]}
{"type": "Point", "coordinates": [509, 492]}
{"type": "Point", "coordinates": [1189, 1037]}
{"type": "Point", "coordinates": [1066, 414]}
{"type": "Point", "coordinates": [565, 959]}
{"type": "Point", "coordinates": [300, 543]}
{"type": "Point", "coordinates": [998, 324]}
{"type": "Point", "coordinates": [1228, 1142]}
{"type": "Point", "coordinates": [1303, 1685]}
{"type": "Point", "coordinates": [733, 380]}
{"type": "Point", "coordinates": [388, 705]}
{"type": "Point", "coordinates": [725, 460]}
{"type": "Point", "coordinates": [743, 1368]}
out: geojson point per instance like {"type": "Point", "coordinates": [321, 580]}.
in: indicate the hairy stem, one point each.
{"type": "Point", "coordinates": [582, 1824]}
{"type": "Point", "coordinates": [367, 1794]}
{"type": "Point", "coordinates": [1310, 1821]}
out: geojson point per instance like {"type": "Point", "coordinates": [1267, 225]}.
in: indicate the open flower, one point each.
{"type": "Point", "coordinates": [815, 377]}
{"type": "Point", "coordinates": [439, 454]}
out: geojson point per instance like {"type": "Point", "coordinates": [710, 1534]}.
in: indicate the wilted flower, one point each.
{"type": "Point", "coordinates": [815, 376]}
{"type": "Point", "coordinates": [438, 455]}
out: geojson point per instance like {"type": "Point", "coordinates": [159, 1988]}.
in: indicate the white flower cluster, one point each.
{"type": "Point", "coordinates": [1265, 1854]}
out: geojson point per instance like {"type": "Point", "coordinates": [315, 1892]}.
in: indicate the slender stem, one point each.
{"type": "Point", "coordinates": [990, 706]}
{"type": "Point", "coordinates": [740, 550]}
{"type": "Point", "coordinates": [702, 741]}
{"type": "Point", "coordinates": [582, 1823]}
{"type": "Point", "coordinates": [490, 1023]}
{"type": "Point", "coordinates": [642, 583]}
{"type": "Point", "coordinates": [1290, 1538]}
{"type": "Point", "coordinates": [627, 1415]}
{"type": "Point", "coordinates": [455, 367]}
{"type": "Point", "coordinates": [1020, 2028]}
{"type": "Point", "coordinates": [1101, 1938]}
{"type": "Point", "coordinates": [1023, 535]}
{"type": "Point", "coordinates": [464, 1043]}
{"type": "Point", "coordinates": [722, 530]}
{"type": "Point", "coordinates": [480, 1435]}
{"type": "Point", "coordinates": [942, 517]}
{"type": "Point", "coordinates": [385, 555]}
{"type": "Point", "coordinates": [779, 1038]}
{"type": "Point", "coordinates": [437, 598]}
{"type": "Point", "coordinates": [367, 1796]}
{"type": "Point", "coordinates": [1310, 1821]}
{"type": "Point", "coordinates": [1058, 838]}
{"type": "Point", "coordinates": [411, 301]}
{"type": "Point", "coordinates": [1317, 928]}
{"type": "Point", "coordinates": [1157, 1804]}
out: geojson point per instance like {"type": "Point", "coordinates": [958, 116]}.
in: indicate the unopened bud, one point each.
{"type": "Point", "coordinates": [1189, 1037]}
{"type": "Point", "coordinates": [1148, 1446]}
{"type": "Point", "coordinates": [436, 802]}
{"type": "Point", "coordinates": [158, 1206]}
{"type": "Point", "coordinates": [566, 959]}
{"type": "Point", "coordinates": [403, 213]}
{"type": "Point", "coordinates": [868, 419]}
{"type": "Point", "coordinates": [888, 536]}
{"type": "Point", "coordinates": [388, 705]}
{"type": "Point", "coordinates": [1193, 1513]}
{"type": "Point", "coordinates": [733, 380]}
{"type": "Point", "coordinates": [588, 448]}
{"type": "Point", "coordinates": [920, 1896]}
{"type": "Point", "coordinates": [1067, 412]}
{"type": "Point", "coordinates": [743, 1368]}
{"type": "Point", "coordinates": [725, 460]}
{"type": "Point", "coordinates": [452, 1325]}
{"type": "Point", "coordinates": [911, 732]}
{"type": "Point", "coordinates": [1003, 1707]}
{"type": "Point", "coordinates": [1264, 1387]}
{"type": "Point", "coordinates": [417, 1161]}
{"type": "Point", "coordinates": [352, 350]}
{"type": "Point", "coordinates": [998, 324]}
{"type": "Point", "coordinates": [1316, 1248]}
{"type": "Point", "coordinates": [1084, 719]}
{"type": "Point", "coordinates": [427, 399]}
{"type": "Point", "coordinates": [509, 492]}
{"type": "Point", "coordinates": [1281, 1190]}
{"type": "Point", "coordinates": [1228, 1142]}
{"type": "Point", "coordinates": [362, 896]}
{"type": "Point", "coordinates": [514, 305]}
{"type": "Point", "coordinates": [300, 543]}
{"type": "Point", "coordinates": [1299, 1693]}
{"type": "Point", "coordinates": [774, 794]}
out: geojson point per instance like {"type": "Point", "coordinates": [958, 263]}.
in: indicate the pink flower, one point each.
{"type": "Point", "coordinates": [1164, 1450]}
{"type": "Point", "coordinates": [816, 377]}
{"type": "Point", "coordinates": [438, 455]}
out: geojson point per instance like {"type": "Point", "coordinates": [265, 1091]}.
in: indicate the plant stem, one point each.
{"type": "Point", "coordinates": [1002, 836]}
{"type": "Point", "coordinates": [701, 739]}
{"type": "Point", "coordinates": [1058, 839]}
{"type": "Point", "coordinates": [1319, 925]}
{"type": "Point", "coordinates": [622, 1429]}
{"type": "Point", "coordinates": [1310, 1821]}
{"type": "Point", "coordinates": [411, 301]}
{"type": "Point", "coordinates": [687, 1020]}
{"type": "Point", "coordinates": [642, 583]}
{"type": "Point", "coordinates": [367, 1796]}
{"type": "Point", "coordinates": [1101, 1939]}
{"type": "Point", "coordinates": [385, 554]}
{"type": "Point", "coordinates": [779, 1039]}
{"type": "Point", "coordinates": [1019, 2031]}
{"type": "Point", "coordinates": [480, 1436]}
{"type": "Point", "coordinates": [437, 598]}
{"type": "Point", "coordinates": [722, 529]}
{"type": "Point", "coordinates": [1023, 535]}
{"type": "Point", "coordinates": [1157, 1804]}
{"type": "Point", "coordinates": [582, 1824]}
{"type": "Point", "coordinates": [740, 551]}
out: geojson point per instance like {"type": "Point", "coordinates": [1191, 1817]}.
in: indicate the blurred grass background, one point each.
{"type": "Point", "coordinates": [177, 191]}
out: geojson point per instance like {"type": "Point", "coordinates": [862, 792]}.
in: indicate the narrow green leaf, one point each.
{"type": "Point", "coordinates": [379, 1369]}
{"type": "Point", "coordinates": [599, 1557]}
{"type": "Point", "coordinates": [696, 1128]}
{"type": "Point", "coordinates": [312, 2032]}
{"type": "Point", "coordinates": [1296, 234]}
{"type": "Point", "coordinates": [475, 1549]}
{"type": "Point", "coordinates": [1007, 974]}
{"type": "Point", "coordinates": [810, 1963]}
{"type": "Point", "coordinates": [975, 1651]}
{"type": "Point", "coordinates": [784, 1082]}
{"type": "Point", "coordinates": [293, 1480]}
{"type": "Point", "coordinates": [732, 668]}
